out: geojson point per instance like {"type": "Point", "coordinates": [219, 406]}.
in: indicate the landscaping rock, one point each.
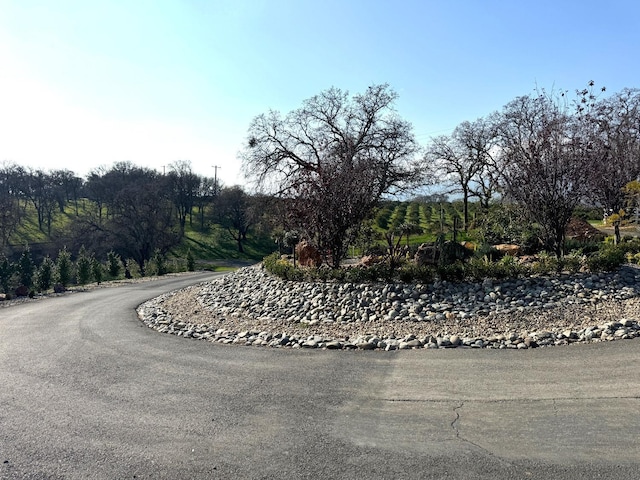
{"type": "Point", "coordinates": [250, 306]}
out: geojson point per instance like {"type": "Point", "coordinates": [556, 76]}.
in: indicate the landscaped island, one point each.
{"type": "Point", "coordinates": [253, 307]}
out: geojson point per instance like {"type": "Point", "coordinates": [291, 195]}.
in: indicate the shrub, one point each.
{"type": "Point", "coordinates": [573, 262]}
{"type": "Point", "coordinates": [114, 263]}
{"type": "Point", "coordinates": [607, 259]}
{"type": "Point", "coordinates": [191, 261]}
{"type": "Point", "coordinates": [44, 275]}
{"type": "Point", "coordinates": [486, 252]}
{"type": "Point", "coordinates": [585, 247]}
{"type": "Point", "coordinates": [133, 269]}
{"type": "Point", "coordinates": [83, 267]}
{"type": "Point", "coordinates": [97, 270]}
{"type": "Point", "coordinates": [506, 267]}
{"type": "Point", "coordinates": [64, 267]}
{"type": "Point", "coordinates": [453, 272]}
{"type": "Point", "coordinates": [159, 263]}
{"type": "Point", "coordinates": [282, 268]}
{"type": "Point", "coordinates": [546, 264]}
{"type": "Point", "coordinates": [412, 273]}
{"type": "Point", "coordinates": [6, 272]}
{"type": "Point", "coordinates": [630, 246]}
{"type": "Point", "coordinates": [26, 267]}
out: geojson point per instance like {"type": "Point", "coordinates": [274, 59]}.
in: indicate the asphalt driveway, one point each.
{"type": "Point", "coordinates": [87, 391]}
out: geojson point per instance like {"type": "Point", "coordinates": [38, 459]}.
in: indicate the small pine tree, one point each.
{"type": "Point", "coordinates": [96, 270]}
{"type": "Point", "coordinates": [44, 275]}
{"type": "Point", "coordinates": [26, 267]}
{"type": "Point", "coordinates": [191, 261]}
{"type": "Point", "coordinates": [132, 269]}
{"type": "Point", "coordinates": [114, 264]}
{"type": "Point", "coordinates": [159, 262]}
{"type": "Point", "coordinates": [6, 272]}
{"type": "Point", "coordinates": [83, 266]}
{"type": "Point", "coordinates": [64, 267]}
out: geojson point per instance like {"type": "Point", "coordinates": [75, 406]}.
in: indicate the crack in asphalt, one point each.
{"type": "Point", "coordinates": [455, 420]}
{"type": "Point", "coordinates": [454, 426]}
{"type": "Point", "coordinates": [507, 400]}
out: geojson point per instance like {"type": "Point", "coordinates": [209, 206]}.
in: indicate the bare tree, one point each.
{"type": "Point", "coordinates": [336, 156]}
{"type": "Point", "coordinates": [206, 193]}
{"type": "Point", "coordinates": [41, 190]}
{"type": "Point", "coordinates": [9, 218]}
{"type": "Point", "coordinates": [141, 218]}
{"type": "Point", "coordinates": [235, 211]}
{"type": "Point", "coordinates": [463, 158]}
{"type": "Point", "coordinates": [611, 129]}
{"type": "Point", "coordinates": [96, 189]}
{"type": "Point", "coordinates": [541, 162]}
{"type": "Point", "coordinates": [10, 211]}
{"type": "Point", "coordinates": [67, 187]}
{"type": "Point", "coordinates": [184, 187]}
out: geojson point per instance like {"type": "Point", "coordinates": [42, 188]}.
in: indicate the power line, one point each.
{"type": "Point", "coordinates": [434, 132]}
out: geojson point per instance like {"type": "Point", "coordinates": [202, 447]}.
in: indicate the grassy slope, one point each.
{"type": "Point", "coordinates": [207, 247]}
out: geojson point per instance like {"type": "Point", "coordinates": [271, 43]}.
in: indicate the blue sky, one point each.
{"type": "Point", "coordinates": [88, 83]}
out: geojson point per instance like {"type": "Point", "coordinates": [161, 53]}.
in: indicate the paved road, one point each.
{"type": "Point", "coordinates": [86, 391]}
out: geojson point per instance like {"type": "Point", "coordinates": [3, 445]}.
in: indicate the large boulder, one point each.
{"type": "Point", "coordinates": [369, 260]}
{"type": "Point", "coordinates": [426, 254]}
{"type": "Point", "coordinates": [308, 255]}
{"type": "Point", "coordinates": [508, 249]}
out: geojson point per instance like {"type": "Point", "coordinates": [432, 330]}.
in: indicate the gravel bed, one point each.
{"type": "Point", "coordinates": [252, 307]}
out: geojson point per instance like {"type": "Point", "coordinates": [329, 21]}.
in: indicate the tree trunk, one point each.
{"type": "Point", "coordinates": [465, 205]}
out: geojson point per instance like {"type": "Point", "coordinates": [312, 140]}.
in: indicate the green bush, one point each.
{"type": "Point", "coordinates": [282, 268]}
{"type": "Point", "coordinates": [97, 270]}
{"type": "Point", "coordinates": [133, 268]}
{"type": "Point", "coordinates": [114, 264]}
{"type": "Point", "coordinates": [191, 261]}
{"type": "Point", "coordinates": [632, 245]}
{"type": "Point", "coordinates": [507, 267]}
{"type": "Point", "coordinates": [585, 247]}
{"type": "Point", "coordinates": [546, 264]}
{"type": "Point", "coordinates": [26, 267]}
{"type": "Point", "coordinates": [486, 252]}
{"type": "Point", "coordinates": [83, 267]}
{"type": "Point", "coordinates": [573, 262]}
{"type": "Point", "coordinates": [159, 263]}
{"type": "Point", "coordinates": [6, 272]}
{"type": "Point", "coordinates": [357, 274]}
{"type": "Point", "coordinates": [453, 272]}
{"type": "Point", "coordinates": [64, 268]}
{"type": "Point", "coordinates": [44, 275]}
{"type": "Point", "coordinates": [607, 259]}
{"type": "Point", "coordinates": [410, 273]}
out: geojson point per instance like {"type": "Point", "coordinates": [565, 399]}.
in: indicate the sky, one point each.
{"type": "Point", "coordinates": [85, 84]}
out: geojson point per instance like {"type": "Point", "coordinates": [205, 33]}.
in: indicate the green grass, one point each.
{"type": "Point", "coordinates": [429, 220]}
{"type": "Point", "coordinates": [208, 246]}
{"type": "Point", "coordinates": [215, 243]}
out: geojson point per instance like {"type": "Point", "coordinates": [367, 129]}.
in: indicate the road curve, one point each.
{"type": "Point", "coordinates": [87, 391]}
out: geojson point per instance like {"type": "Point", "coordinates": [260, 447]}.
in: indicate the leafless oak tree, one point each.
{"type": "Point", "coordinates": [542, 162]}
{"type": "Point", "coordinates": [611, 129]}
{"type": "Point", "coordinates": [463, 159]}
{"type": "Point", "coordinates": [334, 157]}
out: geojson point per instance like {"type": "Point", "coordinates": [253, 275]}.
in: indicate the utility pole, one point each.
{"type": "Point", "coordinates": [215, 179]}
{"type": "Point", "coordinates": [164, 169]}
